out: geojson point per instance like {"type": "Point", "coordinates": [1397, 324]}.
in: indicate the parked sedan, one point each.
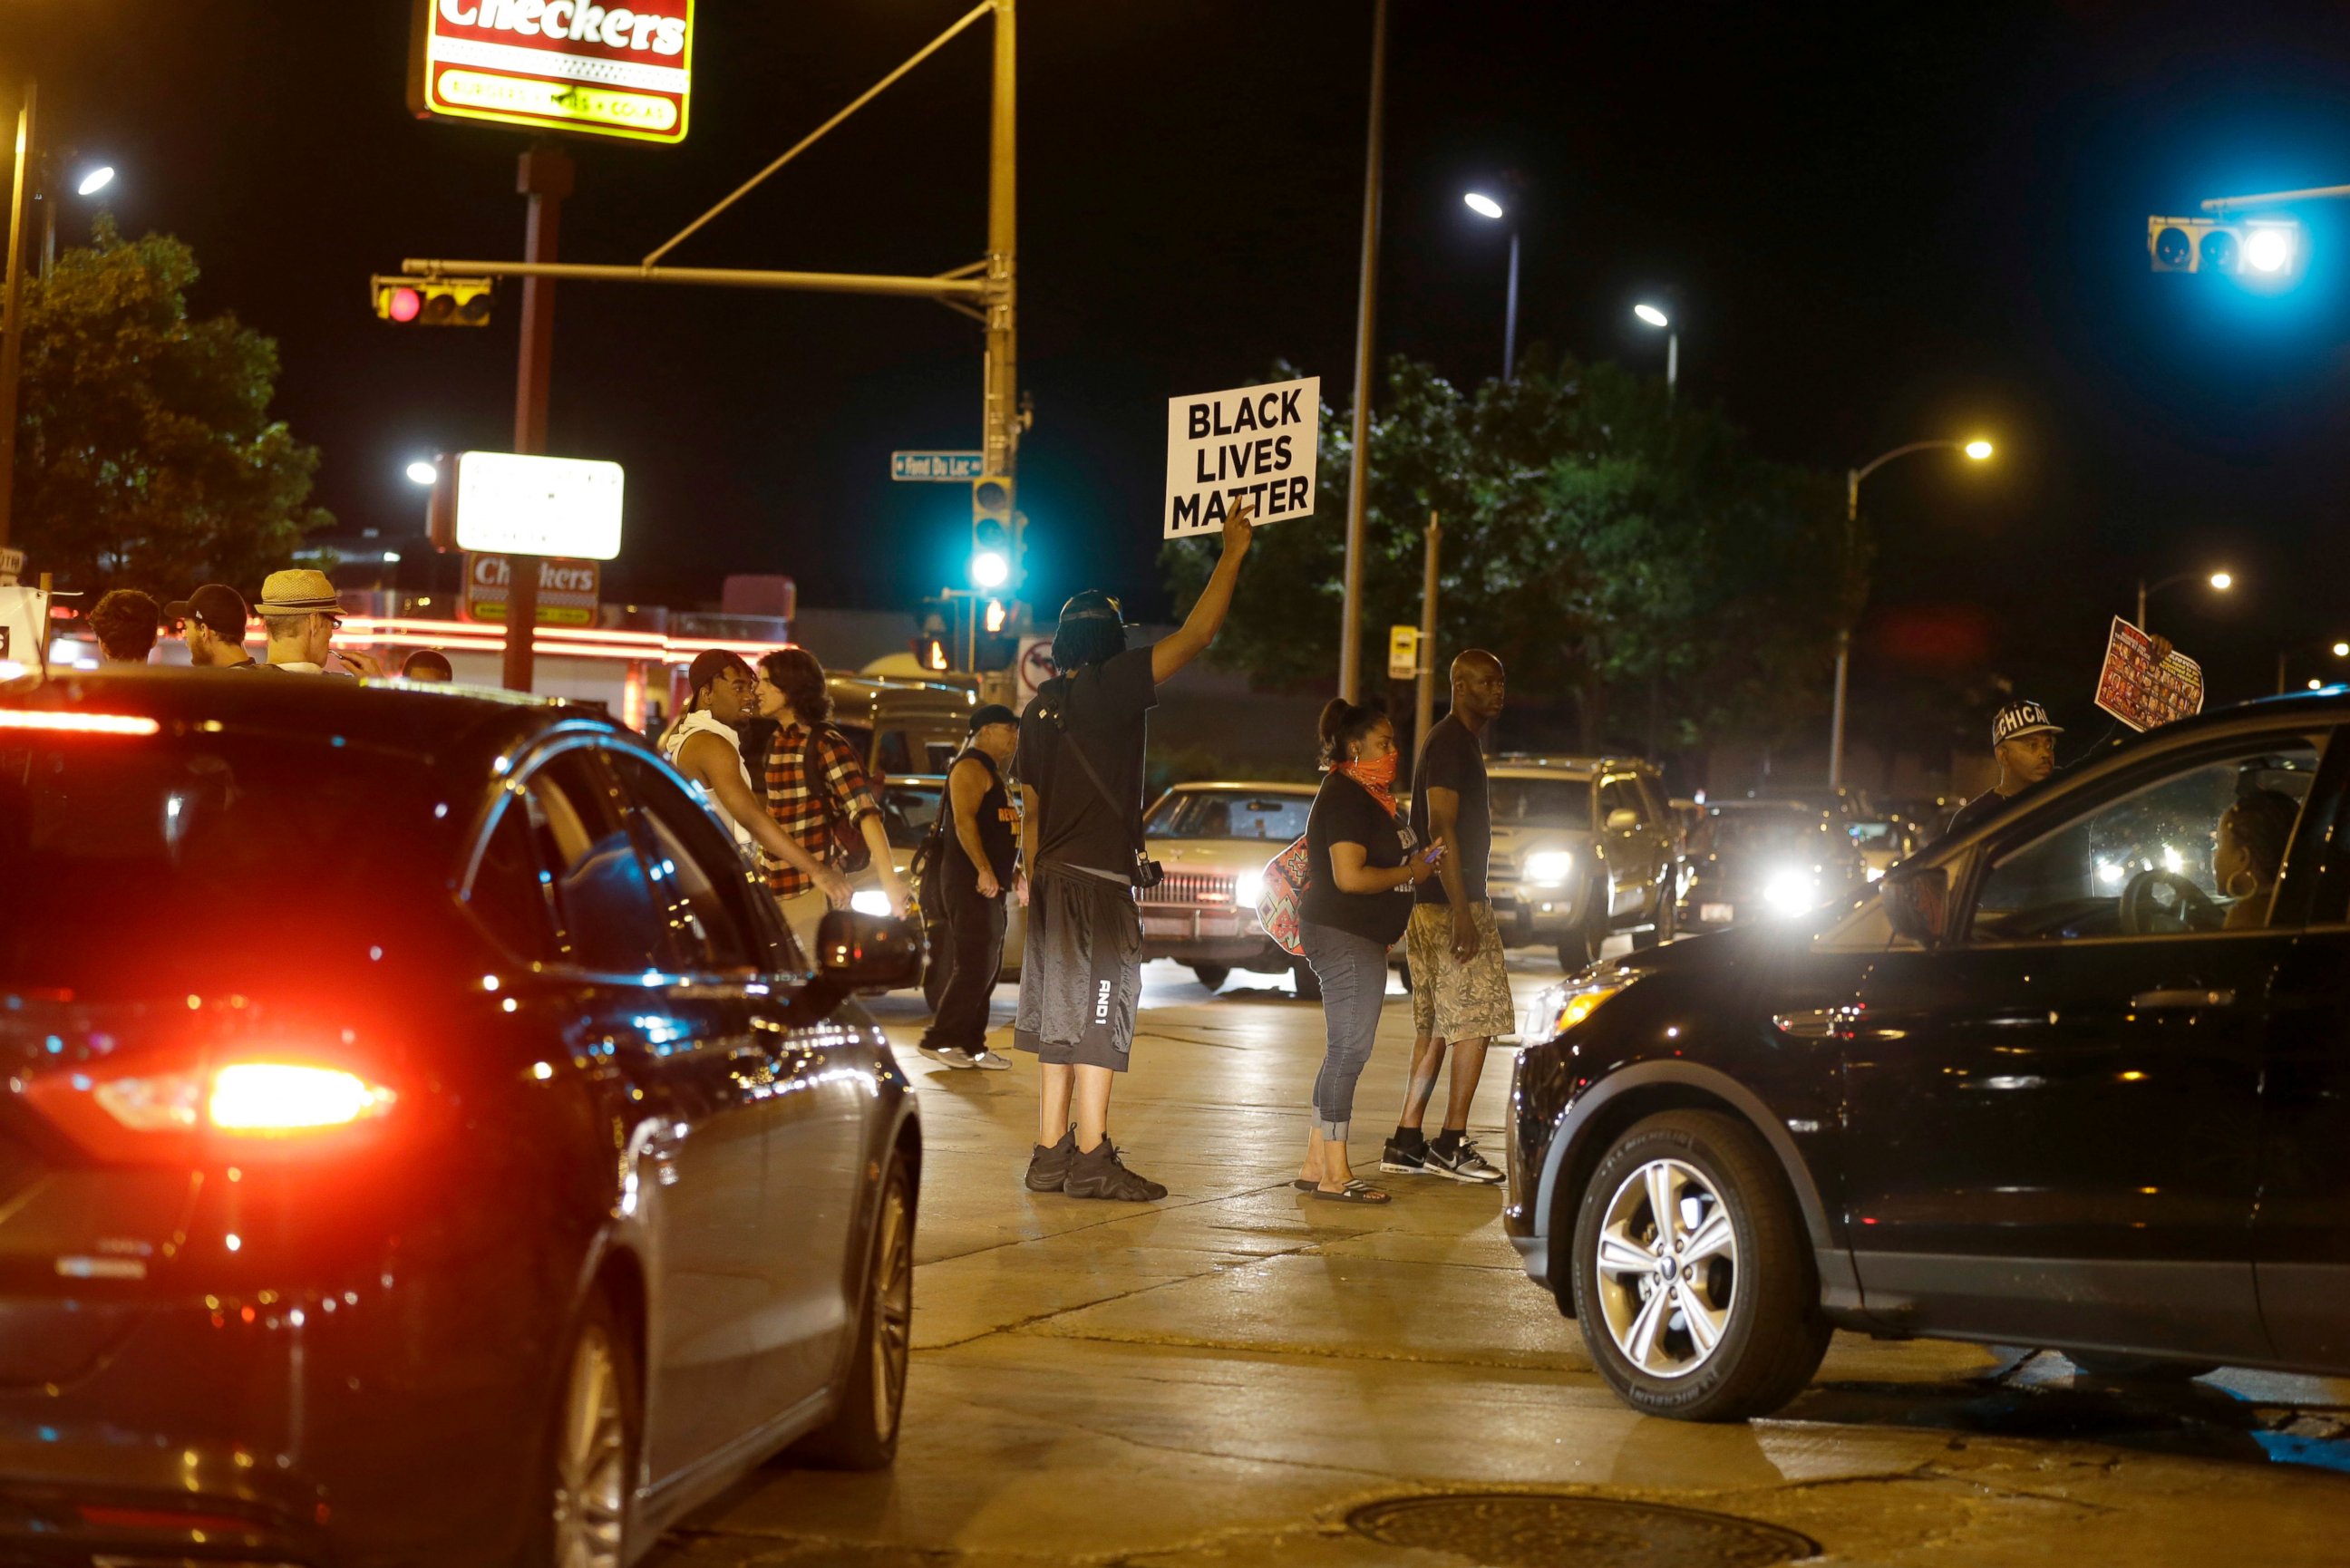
{"type": "Point", "coordinates": [421, 1141]}
{"type": "Point", "coordinates": [2052, 1083]}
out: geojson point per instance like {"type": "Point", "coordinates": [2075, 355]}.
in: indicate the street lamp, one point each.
{"type": "Point", "coordinates": [2220, 582]}
{"type": "Point", "coordinates": [97, 180]}
{"type": "Point", "coordinates": [92, 182]}
{"type": "Point", "coordinates": [1485, 206]}
{"type": "Point", "coordinates": [1655, 316]}
{"type": "Point", "coordinates": [424, 473]}
{"type": "Point", "coordinates": [2340, 650]}
{"type": "Point", "coordinates": [1976, 451]}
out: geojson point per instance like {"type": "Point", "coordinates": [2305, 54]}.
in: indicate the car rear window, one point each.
{"type": "Point", "coordinates": [127, 860]}
{"type": "Point", "coordinates": [1541, 802]}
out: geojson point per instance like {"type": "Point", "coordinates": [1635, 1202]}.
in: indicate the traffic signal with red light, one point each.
{"type": "Point", "coordinates": [931, 653]}
{"type": "Point", "coordinates": [432, 301]}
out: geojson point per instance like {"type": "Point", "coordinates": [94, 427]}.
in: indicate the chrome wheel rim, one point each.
{"type": "Point", "coordinates": [591, 1459]}
{"type": "Point", "coordinates": [1667, 1268]}
{"type": "Point", "coordinates": [893, 1311]}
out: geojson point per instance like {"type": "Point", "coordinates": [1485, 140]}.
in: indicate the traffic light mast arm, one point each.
{"type": "Point", "coordinates": [947, 288]}
{"type": "Point", "coordinates": [2277, 198]}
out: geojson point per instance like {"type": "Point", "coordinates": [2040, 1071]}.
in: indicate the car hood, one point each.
{"type": "Point", "coordinates": [1214, 854]}
{"type": "Point", "coordinates": [1513, 841]}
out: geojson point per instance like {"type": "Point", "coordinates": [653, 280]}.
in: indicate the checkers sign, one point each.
{"type": "Point", "coordinates": [555, 65]}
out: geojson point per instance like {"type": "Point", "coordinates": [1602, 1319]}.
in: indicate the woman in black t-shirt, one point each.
{"type": "Point", "coordinates": [1357, 903]}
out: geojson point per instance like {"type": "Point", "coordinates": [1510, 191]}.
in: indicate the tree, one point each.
{"type": "Point", "coordinates": [146, 454]}
{"type": "Point", "coordinates": [1614, 550]}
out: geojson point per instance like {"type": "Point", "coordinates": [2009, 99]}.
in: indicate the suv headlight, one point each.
{"type": "Point", "coordinates": [1550, 867]}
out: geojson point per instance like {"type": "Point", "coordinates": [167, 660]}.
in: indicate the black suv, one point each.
{"type": "Point", "coordinates": [2046, 1084]}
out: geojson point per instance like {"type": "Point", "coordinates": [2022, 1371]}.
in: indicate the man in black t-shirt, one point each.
{"type": "Point", "coordinates": [1081, 764]}
{"type": "Point", "coordinates": [2025, 742]}
{"type": "Point", "coordinates": [1459, 988]}
{"type": "Point", "coordinates": [975, 844]}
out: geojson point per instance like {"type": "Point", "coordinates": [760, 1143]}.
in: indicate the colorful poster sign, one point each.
{"type": "Point", "coordinates": [567, 590]}
{"type": "Point", "coordinates": [2140, 692]}
{"type": "Point", "coordinates": [1257, 444]}
{"type": "Point", "coordinates": [621, 70]}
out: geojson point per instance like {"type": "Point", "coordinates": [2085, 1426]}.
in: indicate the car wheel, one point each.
{"type": "Point", "coordinates": [1212, 975]}
{"type": "Point", "coordinates": [1693, 1274]}
{"type": "Point", "coordinates": [2115, 1367]}
{"type": "Point", "coordinates": [863, 1432]}
{"type": "Point", "coordinates": [591, 1450]}
{"type": "Point", "coordinates": [1307, 983]}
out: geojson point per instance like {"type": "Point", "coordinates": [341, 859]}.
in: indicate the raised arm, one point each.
{"type": "Point", "coordinates": [1191, 640]}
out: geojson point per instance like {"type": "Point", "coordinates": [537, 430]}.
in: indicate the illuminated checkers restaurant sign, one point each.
{"type": "Point", "coordinates": [555, 65]}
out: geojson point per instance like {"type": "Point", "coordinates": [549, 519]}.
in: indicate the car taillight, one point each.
{"type": "Point", "coordinates": [143, 1112]}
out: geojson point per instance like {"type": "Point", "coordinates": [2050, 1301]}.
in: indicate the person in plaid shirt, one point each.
{"type": "Point", "coordinates": [801, 799]}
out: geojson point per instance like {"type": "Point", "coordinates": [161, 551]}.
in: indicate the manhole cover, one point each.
{"type": "Point", "coordinates": [1515, 1530]}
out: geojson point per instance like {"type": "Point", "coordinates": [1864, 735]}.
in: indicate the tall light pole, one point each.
{"type": "Point", "coordinates": [1358, 467]}
{"type": "Point", "coordinates": [2220, 582]}
{"type": "Point", "coordinates": [1485, 206]}
{"type": "Point", "coordinates": [1977, 451]}
{"type": "Point", "coordinates": [1655, 316]}
{"type": "Point", "coordinates": [12, 299]}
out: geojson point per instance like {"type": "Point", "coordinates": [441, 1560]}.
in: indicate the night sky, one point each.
{"type": "Point", "coordinates": [1925, 222]}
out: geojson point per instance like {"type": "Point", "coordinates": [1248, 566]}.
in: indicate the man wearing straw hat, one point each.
{"type": "Point", "coordinates": [299, 609]}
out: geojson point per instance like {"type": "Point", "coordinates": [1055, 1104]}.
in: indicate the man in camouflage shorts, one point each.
{"type": "Point", "coordinates": [1460, 989]}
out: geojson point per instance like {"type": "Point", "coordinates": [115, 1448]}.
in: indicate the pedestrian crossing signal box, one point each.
{"type": "Point", "coordinates": [432, 301]}
{"type": "Point", "coordinates": [1403, 653]}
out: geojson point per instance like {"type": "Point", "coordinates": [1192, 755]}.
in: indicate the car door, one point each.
{"type": "Point", "coordinates": [2302, 1237]}
{"type": "Point", "coordinates": [683, 1055]}
{"type": "Point", "coordinates": [2053, 1120]}
{"type": "Point", "coordinates": [808, 1084]}
{"type": "Point", "coordinates": [1630, 848]}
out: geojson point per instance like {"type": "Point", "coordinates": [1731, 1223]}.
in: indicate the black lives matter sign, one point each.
{"type": "Point", "coordinates": [1253, 444]}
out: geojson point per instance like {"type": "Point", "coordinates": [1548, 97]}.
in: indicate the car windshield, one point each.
{"type": "Point", "coordinates": [1762, 832]}
{"type": "Point", "coordinates": [908, 808]}
{"type": "Point", "coordinates": [1541, 802]}
{"type": "Point", "coordinates": [1230, 813]}
{"type": "Point", "coordinates": [144, 863]}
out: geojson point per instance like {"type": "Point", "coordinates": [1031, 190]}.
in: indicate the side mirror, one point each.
{"type": "Point", "coordinates": [865, 954]}
{"type": "Point", "coordinates": [1623, 819]}
{"type": "Point", "coordinates": [1917, 903]}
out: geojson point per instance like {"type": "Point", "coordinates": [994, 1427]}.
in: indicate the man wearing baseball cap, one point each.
{"type": "Point", "coordinates": [212, 623]}
{"type": "Point", "coordinates": [2025, 740]}
{"type": "Point", "coordinates": [973, 846]}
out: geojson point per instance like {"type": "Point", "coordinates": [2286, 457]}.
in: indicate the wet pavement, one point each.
{"type": "Point", "coordinates": [1244, 1375]}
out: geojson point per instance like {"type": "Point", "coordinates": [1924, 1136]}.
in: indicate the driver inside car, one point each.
{"type": "Point", "coordinates": [2248, 852]}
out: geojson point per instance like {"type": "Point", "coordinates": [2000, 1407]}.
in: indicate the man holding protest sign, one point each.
{"type": "Point", "coordinates": [1080, 758]}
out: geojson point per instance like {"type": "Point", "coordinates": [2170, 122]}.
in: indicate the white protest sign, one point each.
{"type": "Point", "coordinates": [24, 616]}
{"type": "Point", "coordinates": [1257, 444]}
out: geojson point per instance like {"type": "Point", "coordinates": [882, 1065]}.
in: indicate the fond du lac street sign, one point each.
{"type": "Point", "coordinates": [555, 65]}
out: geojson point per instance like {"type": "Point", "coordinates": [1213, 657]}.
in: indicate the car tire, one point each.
{"type": "Point", "coordinates": [2114, 1367]}
{"type": "Point", "coordinates": [1307, 983]}
{"type": "Point", "coordinates": [1212, 975]}
{"type": "Point", "coordinates": [593, 1430]}
{"type": "Point", "coordinates": [862, 1434]}
{"type": "Point", "coordinates": [1747, 1246]}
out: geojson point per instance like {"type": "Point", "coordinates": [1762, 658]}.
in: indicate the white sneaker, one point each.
{"type": "Point", "coordinates": [992, 1061]}
{"type": "Point", "coordinates": [947, 1056]}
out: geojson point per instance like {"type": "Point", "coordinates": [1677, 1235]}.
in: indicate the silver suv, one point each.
{"type": "Point", "coordinates": [1582, 847]}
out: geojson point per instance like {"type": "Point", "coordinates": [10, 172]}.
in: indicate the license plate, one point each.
{"type": "Point", "coordinates": [1711, 913]}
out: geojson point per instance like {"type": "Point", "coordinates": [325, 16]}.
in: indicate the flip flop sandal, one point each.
{"type": "Point", "coordinates": [1356, 1191]}
{"type": "Point", "coordinates": [1305, 1186]}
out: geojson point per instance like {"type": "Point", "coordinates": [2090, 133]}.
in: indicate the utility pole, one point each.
{"type": "Point", "coordinates": [546, 177]}
{"type": "Point", "coordinates": [1001, 431]}
{"type": "Point", "coordinates": [12, 331]}
{"type": "Point", "coordinates": [1359, 478]}
{"type": "Point", "coordinates": [1423, 708]}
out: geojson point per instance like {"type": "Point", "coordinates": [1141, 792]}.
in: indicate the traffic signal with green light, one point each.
{"type": "Point", "coordinates": [2256, 250]}
{"type": "Point", "coordinates": [990, 530]}
{"type": "Point", "coordinates": [432, 301]}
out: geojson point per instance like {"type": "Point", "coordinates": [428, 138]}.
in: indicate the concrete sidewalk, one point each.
{"type": "Point", "coordinates": [1221, 1377]}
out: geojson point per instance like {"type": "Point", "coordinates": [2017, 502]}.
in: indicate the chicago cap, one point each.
{"type": "Point", "coordinates": [2019, 718]}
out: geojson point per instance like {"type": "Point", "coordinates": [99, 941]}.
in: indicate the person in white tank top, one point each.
{"type": "Point", "coordinates": [702, 745]}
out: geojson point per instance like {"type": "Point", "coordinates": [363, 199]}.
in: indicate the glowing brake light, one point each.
{"type": "Point", "coordinates": [274, 1097]}
{"type": "Point", "coordinates": [78, 724]}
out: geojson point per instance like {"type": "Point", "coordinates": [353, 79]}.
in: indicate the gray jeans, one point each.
{"type": "Point", "coordinates": [1354, 974]}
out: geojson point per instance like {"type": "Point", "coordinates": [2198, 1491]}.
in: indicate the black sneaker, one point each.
{"type": "Point", "coordinates": [1101, 1174]}
{"type": "Point", "coordinates": [1463, 1164]}
{"type": "Point", "coordinates": [1048, 1167]}
{"type": "Point", "coordinates": [1397, 1160]}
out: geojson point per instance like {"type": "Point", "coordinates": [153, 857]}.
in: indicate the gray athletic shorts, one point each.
{"type": "Point", "coordinates": [1081, 974]}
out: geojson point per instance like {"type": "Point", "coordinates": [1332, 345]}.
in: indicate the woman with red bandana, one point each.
{"type": "Point", "coordinates": [1358, 900]}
